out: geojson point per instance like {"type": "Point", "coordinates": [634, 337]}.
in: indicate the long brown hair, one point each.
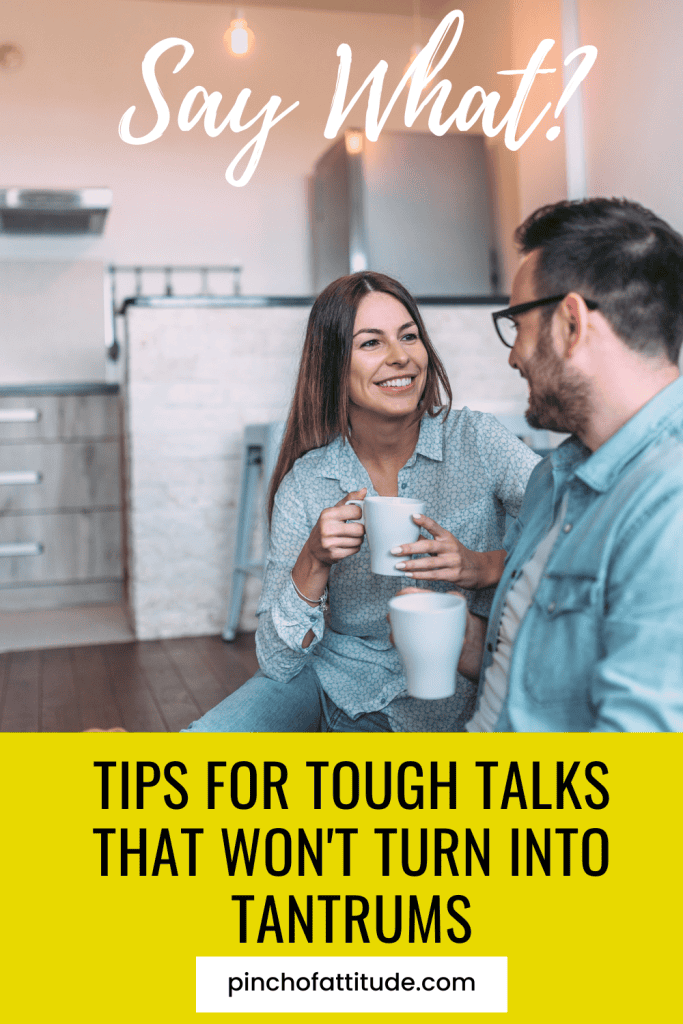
{"type": "Point", "coordinates": [320, 407]}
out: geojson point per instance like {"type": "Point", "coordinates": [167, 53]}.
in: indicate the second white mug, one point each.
{"type": "Point", "coordinates": [428, 631]}
{"type": "Point", "coordinates": [388, 523]}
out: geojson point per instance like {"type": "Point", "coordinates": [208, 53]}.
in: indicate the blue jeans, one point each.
{"type": "Point", "coordinates": [301, 705]}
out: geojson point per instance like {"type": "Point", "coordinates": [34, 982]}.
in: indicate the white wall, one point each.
{"type": "Point", "coordinates": [51, 317]}
{"type": "Point", "coordinates": [632, 99]}
{"type": "Point", "coordinates": [60, 113]}
{"type": "Point", "coordinates": [634, 128]}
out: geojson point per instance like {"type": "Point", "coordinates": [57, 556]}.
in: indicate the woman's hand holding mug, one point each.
{"type": "Point", "coordinates": [449, 560]}
{"type": "Point", "coordinates": [332, 538]}
{"type": "Point", "coordinates": [337, 534]}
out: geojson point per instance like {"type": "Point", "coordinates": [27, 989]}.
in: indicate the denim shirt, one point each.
{"type": "Point", "coordinates": [600, 648]}
{"type": "Point", "coordinates": [470, 471]}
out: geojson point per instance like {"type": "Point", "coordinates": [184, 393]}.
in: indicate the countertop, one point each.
{"type": "Point", "coordinates": [261, 301]}
{"type": "Point", "coordinates": [81, 388]}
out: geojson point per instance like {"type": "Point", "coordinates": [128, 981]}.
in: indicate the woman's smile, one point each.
{"type": "Point", "coordinates": [396, 383]}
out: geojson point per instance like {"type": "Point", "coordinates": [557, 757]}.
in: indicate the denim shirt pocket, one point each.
{"type": "Point", "coordinates": [562, 644]}
{"type": "Point", "coordinates": [561, 595]}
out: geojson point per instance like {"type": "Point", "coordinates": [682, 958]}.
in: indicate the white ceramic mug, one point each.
{"type": "Point", "coordinates": [428, 631]}
{"type": "Point", "coordinates": [388, 522]}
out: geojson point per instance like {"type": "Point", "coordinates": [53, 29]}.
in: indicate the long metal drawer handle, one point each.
{"type": "Point", "coordinates": [23, 476]}
{"type": "Point", "coordinates": [20, 548]}
{"type": "Point", "coordinates": [19, 415]}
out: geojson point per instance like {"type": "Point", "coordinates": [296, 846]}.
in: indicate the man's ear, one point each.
{"type": "Point", "coordinates": [572, 320]}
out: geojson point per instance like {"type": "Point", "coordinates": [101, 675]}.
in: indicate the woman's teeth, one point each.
{"type": "Point", "coordinates": [396, 382]}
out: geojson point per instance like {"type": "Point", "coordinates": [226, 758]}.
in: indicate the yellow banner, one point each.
{"type": "Point", "coordinates": [127, 857]}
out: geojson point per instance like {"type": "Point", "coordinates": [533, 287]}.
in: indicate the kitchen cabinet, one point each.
{"type": "Point", "coordinates": [60, 496]}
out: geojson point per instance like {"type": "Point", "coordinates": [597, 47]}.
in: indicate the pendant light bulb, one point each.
{"type": "Point", "coordinates": [239, 39]}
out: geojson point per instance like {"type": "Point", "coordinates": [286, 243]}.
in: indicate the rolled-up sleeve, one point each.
{"type": "Point", "coordinates": [283, 618]}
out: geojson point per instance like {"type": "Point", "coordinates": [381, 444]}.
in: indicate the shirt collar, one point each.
{"type": "Point", "coordinates": [430, 441]}
{"type": "Point", "coordinates": [599, 469]}
{"type": "Point", "coordinates": [341, 462]}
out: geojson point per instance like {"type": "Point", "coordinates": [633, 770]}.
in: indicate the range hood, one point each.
{"type": "Point", "coordinates": [44, 211]}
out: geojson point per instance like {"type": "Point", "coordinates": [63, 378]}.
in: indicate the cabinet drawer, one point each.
{"type": "Point", "coordinates": [66, 595]}
{"type": "Point", "coordinates": [60, 548]}
{"type": "Point", "coordinates": [54, 417]}
{"type": "Point", "coordinates": [60, 475]}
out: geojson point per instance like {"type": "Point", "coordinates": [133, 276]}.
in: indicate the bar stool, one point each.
{"type": "Point", "coordinates": [260, 448]}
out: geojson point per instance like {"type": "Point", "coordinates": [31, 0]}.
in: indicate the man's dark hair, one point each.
{"type": "Point", "coordinates": [620, 255]}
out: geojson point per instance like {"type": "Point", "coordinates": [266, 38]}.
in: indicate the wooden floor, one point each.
{"type": "Point", "coordinates": [147, 686]}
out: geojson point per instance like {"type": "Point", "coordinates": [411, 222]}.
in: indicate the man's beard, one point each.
{"type": "Point", "coordinates": [558, 397]}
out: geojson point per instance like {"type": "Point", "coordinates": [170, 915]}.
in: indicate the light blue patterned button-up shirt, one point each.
{"type": "Point", "coordinates": [601, 647]}
{"type": "Point", "coordinates": [470, 471]}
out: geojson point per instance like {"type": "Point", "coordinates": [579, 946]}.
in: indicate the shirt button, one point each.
{"type": "Point", "coordinates": [567, 527]}
{"type": "Point", "coordinates": [403, 487]}
{"type": "Point", "coordinates": [551, 607]}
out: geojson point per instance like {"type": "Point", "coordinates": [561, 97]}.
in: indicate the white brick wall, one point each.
{"type": "Point", "coordinates": [196, 377]}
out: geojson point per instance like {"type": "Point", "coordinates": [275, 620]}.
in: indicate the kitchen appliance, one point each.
{"type": "Point", "coordinates": [412, 205]}
{"type": "Point", "coordinates": [43, 211]}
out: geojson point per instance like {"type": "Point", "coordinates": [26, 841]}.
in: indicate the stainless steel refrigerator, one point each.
{"type": "Point", "coordinates": [412, 205]}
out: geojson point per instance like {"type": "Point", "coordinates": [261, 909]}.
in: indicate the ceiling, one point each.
{"type": "Point", "coordinates": [428, 8]}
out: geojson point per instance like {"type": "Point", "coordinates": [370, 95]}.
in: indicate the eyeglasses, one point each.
{"type": "Point", "coordinates": [504, 319]}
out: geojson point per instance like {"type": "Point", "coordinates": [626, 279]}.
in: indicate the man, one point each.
{"type": "Point", "coordinates": [586, 629]}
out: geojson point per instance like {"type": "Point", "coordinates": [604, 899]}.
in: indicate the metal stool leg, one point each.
{"type": "Point", "coordinates": [245, 527]}
{"type": "Point", "coordinates": [261, 446]}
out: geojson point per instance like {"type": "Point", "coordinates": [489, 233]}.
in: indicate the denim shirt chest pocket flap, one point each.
{"type": "Point", "coordinates": [563, 640]}
{"type": "Point", "coordinates": [560, 594]}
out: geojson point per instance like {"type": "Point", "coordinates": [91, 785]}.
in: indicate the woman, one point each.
{"type": "Point", "coordinates": [367, 418]}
